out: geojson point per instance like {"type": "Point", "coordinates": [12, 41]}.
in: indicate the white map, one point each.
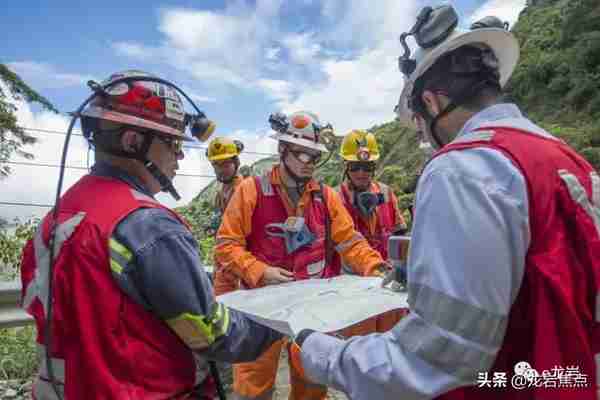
{"type": "Point", "coordinates": [325, 305]}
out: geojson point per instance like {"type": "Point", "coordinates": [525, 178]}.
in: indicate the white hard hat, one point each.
{"type": "Point", "coordinates": [301, 128]}
{"type": "Point", "coordinates": [500, 41]}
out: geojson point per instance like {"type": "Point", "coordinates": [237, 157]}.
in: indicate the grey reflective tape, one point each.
{"type": "Point", "coordinates": [597, 358]}
{"type": "Point", "coordinates": [58, 365]}
{"type": "Point", "coordinates": [595, 188]}
{"type": "Point", "coordinates": [579, 195]}
{"type": "Point", "coordinates": [385, 190]}
{"type": "Point", "coordinates": [268, 395]}
{"type": "Point", "coordinates": [265, 185]}
{"type": "Point", "coordinates": [598, 311]}
{"type": "Point", "coordinates": [450, 356]}
{"type": "Point", "coordinates": [475, 136]}
{"type": "Point", "coordinates": [346, 269]}
{"type": "Point", "coordinates": [38, 287]}
{"type": "Point", "coordinates": [453, 315]}
{"type": "Point", "coordinates": [222, 241]}
{"type": "Point", "coordinates": [347, 243]}
{"type": "Point", "coordinates": [43, 390]}
{"type": "Point", "coordinates": [315, 269]}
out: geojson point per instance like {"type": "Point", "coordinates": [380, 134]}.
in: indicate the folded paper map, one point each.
{"type": "Point", "coordinates": [325, 305]}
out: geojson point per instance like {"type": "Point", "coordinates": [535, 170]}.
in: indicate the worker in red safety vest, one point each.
{"type": "Point", "coordinates": [283, 226]}
{"type": "Point", "coordinates": [123, 306]}
{"type": "Point", "coordinates": [504, 263]}
{"type": "Point", "coordinates": [373, 207]}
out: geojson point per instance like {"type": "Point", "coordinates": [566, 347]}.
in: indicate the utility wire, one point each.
{"type": "Point", "coordinates": [36, 164]}
{"type": "Point", "coordinates": [16, 203]}
{"type": "Point", "coordinates": [193, 146]}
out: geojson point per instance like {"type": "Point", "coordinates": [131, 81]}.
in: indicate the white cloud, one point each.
{"type": "Point", "coordinates": [362, 24]}
{"type": "Point", "coordinates": [272, 53]}
{"type": "Point", "coordinates": [199, 98]}
{"type": "Point", "coordinates": [357, 94]}
{"type": "Point", "coordinates": [134, 50]}
{"type": "Point", "coordinates": [344, 69]}
{"type": "Point", "coordinates": [46, 76]}
{"type": "Point", "coordinates": [279, 90]}
{"type": "Point", "coordinates": [506, 10]}
{"type": "Point", "coordinates": [302, 47]}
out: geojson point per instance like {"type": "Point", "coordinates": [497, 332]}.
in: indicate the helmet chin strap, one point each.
{"type": "Point", "coordinates": [166, 184]}
{"type": "Point", "coordinates": [141, 154]}
{"type": "Point", "coordinates": [433, 120]}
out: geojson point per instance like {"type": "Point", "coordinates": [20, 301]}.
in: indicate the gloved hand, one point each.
{"type": "Point", "coordinates": [396, 278]}
{"type": "Point", "coordinates": [295, 351]}
{"type": "Point", "coordinates": [381, 269]}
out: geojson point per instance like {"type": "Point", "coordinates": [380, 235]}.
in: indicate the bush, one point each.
{"type": "Point", "coordinates": [11, 247]}
{"type": "Point", "coordinates": [18, 353]}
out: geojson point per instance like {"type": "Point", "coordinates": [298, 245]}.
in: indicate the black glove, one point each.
{"type": "Point", "coordinates": [396, 278]}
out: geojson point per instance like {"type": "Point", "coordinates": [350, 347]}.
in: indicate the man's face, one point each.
{"type": "Point", "coordinates": [361, 174]}
{"type": "Point", "coordinates": [302, 160]}
{"type": "Point", "coordinates": [165, 152]}
{"type": "Point", "coordinates": [224, 169]}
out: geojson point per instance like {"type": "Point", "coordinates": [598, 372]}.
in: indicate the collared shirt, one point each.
{"type": "Point", "coordinates": [469, 241]}
{"type": "Point", "coordinates": [166, 277]}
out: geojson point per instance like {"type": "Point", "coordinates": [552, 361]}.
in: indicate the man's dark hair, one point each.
{"type": "Point", "coordinates": [468, 75]}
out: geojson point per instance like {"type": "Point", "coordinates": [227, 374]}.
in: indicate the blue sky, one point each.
{"type": "Point", "coordinates": [240, 60]}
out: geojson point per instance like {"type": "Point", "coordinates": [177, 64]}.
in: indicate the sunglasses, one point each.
{"type": "Point", "coordinates": [361, 166]}
{"type": "Point", "coordinates": [306, 157]}
{"type": "Point", "coordinates": [176, 145]}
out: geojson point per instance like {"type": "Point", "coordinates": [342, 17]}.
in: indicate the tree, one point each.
{"type": "Point", "coordinates": [12, 136]}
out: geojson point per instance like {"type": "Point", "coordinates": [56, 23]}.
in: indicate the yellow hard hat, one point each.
{"type": "Point", "coordinates": [223, 148]}
{"type": "Point", "coordinates": [359, 145]}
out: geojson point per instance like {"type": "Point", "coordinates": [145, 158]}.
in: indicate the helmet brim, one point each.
{"type": "Point", "coordinates": [222, 157]}
{"type": "Point", "coordinates": [299, 141]}
{"type": "Point", "coordinates": [353, 158]}
{"type": "Point", "coordinates": [502, 43]}
{"type": "Point", "coordinates": [114, 116]}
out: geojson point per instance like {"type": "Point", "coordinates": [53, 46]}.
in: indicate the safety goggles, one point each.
{"type": "Point", "coordinates": [361, 166]}
{"type": "Point", "coordinates": [305, 156]}
{"type": "Point", "coordinates": [176, 145]}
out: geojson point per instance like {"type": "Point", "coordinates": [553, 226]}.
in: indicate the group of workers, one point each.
{"type": "Point", "coordinates": [504, 264]}
{"type": "Point", "coordinates": [284, 225]}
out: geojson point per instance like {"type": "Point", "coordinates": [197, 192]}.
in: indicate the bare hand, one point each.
{"type": "Point", "coordinates": [276, 275]}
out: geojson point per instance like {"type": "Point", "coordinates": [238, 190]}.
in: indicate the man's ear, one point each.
{"type": "Point", "coordinates": [131, 141]}
{"type": "Point", "coordinates": [432, 102]}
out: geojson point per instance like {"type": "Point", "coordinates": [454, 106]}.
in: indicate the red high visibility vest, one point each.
{"type": "Point", "coordinates": [104, 345]}
{"type": "Point", "coordinates": [555, 319]}
{"type": "Point", "coordinates": [307, 261]}
{"type": "Point", "coordinates": [386, 219]}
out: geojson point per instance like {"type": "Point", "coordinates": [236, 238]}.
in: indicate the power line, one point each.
{"type": "Point", "coordinates": [16, 203]}
{"type": "Point", "coordinates": [35, 164]}
{"type": "Point", "coordinates": [193, 146]}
